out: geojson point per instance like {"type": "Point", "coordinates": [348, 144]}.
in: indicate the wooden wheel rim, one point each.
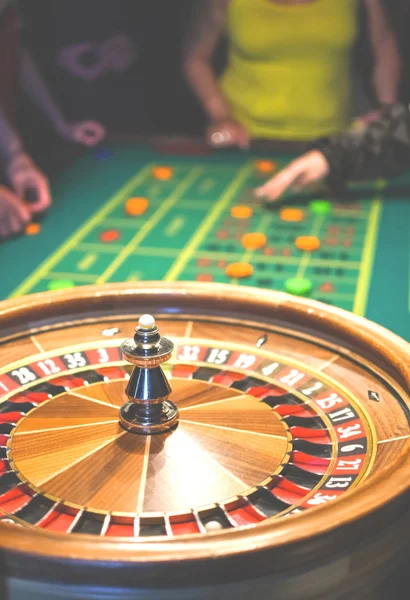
{"type": "Point", "coordinates": [374, 502]}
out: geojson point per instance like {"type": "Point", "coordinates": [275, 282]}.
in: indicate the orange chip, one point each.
{"type": "Point", "coordinates": [239, 270]}
{"type": "Point", "coordinates": [162, 173]}
{"type": "Point", "coordinates": [307, 243]}
{"type": "Point", "coordinates": [240, 211]}
{"type": "Point", "coordinates": [291, 214]}
{"type": "Point", "coordinates": [136, 206]}
{"type": "Point", "coordinates": [33, 229]}
{"type": "Point", "coordinates": [265, 166]}
{"type": "Point", "coordinates": [252, 241]}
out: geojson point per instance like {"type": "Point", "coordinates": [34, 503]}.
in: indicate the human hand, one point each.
{"type": "Point", "coordinates": [364, 120]}
{"type": "Point", "coordinates": [25, 176]}
{"type": "Point", "coordinates": [88, 133]}
{"type": "Point", "coordinates": [14, 215]}
{"type": "Point", "coordinates": [306, 169]}
{"type": "Point", "coordinates": [227, 132]}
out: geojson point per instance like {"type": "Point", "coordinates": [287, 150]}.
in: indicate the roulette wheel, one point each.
{"type": "Point", "coordinates": [198, 441]}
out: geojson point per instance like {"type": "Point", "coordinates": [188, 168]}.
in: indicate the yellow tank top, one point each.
{"type": "Point", "coordinates": [288, 74]}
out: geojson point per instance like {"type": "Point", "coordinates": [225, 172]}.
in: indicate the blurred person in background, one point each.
{"type": "Point", "coordinates": [380, 149]}
{"type": "Point", "coordinates": [94, 55]}
{"type": "Point", "coordinates": [288, 75]}
{"type": "Point", "coordinates": [19, 175]}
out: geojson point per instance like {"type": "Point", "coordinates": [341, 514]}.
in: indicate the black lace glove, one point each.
{"type": "Point", "coordinates": [381, 150]}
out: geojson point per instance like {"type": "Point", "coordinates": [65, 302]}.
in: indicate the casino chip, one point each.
{"type": "Point", "coordinates": [33, 228]}
{"type": "Point", "coordinates": [298, 286]}
{"type": "Point", "coordinates": [109, 235]}
{"type": "Point", "coordinates": [327, 287]}
{"type": "Point", "coordinates": [265, 166]}
{"type": "Point", "coordinates": [136, 206]}
{"type": "Point", "coordinates": [320, 207]}
{"type": "Point", "coordinates": [253, 241]}
{"type": "Point", "coordinates": [239, 270]}
{"type": "Point", "coordinates": [291, 214]}
{"type": "Point", "coordinates": [60, 284]}
{"type": "Point", "coordinates": [162, 173]}
{"type": "Point", "coordinates": [307, 243]}
{"type": "Point", "coordinates": [240, 211]}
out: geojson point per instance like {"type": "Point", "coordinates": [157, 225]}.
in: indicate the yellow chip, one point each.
{"type": "Point", "coordinates": [252, 241]}
{"type": "Point", "coordinates": [291, 214]}
{"type": "Point", "coordinates": [265, 166]}
{"type": "Point", "coordinates": [240, 211]}
{"type": "Point", "coordinates": [136, 206]}
{"type": "Point", "coordinates": [239, 270]}
{"type": "Point", "coordinates": [162, 173]}
{"type": "Point", "coordinates": [33, 229]}
{"type": "Point", "coordinates": [308, 243]}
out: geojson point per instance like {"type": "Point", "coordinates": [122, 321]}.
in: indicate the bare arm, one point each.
{"type": "Point", "coordinates": [21, 172]}
{"type": "Point", "coordinates": [199, 48]}
{"type": "Point", "coordinates": [88, 133]}
{"type": "Point", "coordinates": [34, 86]}
{"type": "Point", "coordinates": [387, 63]}
{"type": "Point", "coordinates": [10, 143]}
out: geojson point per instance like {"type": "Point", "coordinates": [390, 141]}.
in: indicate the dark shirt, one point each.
{"type": "Point", "coordinates": [92, 55]}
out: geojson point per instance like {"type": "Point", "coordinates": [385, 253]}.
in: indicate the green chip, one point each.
{"type": "Point", "coordinates": [298, 286]}
{"type": "Point", "coordinates": [60, 284]}
{"type": "Point", "coordinates": [320, 207]}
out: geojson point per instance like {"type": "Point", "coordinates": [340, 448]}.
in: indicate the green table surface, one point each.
{"type": "Point", "coordinates": [187, 232]}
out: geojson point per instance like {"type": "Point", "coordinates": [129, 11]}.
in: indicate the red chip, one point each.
{"type": "Point", "coordinates": [109, 235]}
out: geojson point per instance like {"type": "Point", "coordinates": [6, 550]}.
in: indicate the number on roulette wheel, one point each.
{"type": "Point", "coordinates": [199, 441]}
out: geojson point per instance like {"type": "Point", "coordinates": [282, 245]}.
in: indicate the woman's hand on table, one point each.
{"type": "Point", "coordinates": [227, 133]}
{"type": "Point", "coordinates": [14, 214]}
{"type": "Point", "coordinates": [24, 177]}
{"type": "Point", "coordinates": [302, 171]}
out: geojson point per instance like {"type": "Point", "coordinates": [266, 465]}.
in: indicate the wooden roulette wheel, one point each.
{"type": "Point", "coordinates": [251, 442]}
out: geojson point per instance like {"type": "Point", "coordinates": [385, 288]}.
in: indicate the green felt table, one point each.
{"type": "Point", "coordinates": [188, 233]}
